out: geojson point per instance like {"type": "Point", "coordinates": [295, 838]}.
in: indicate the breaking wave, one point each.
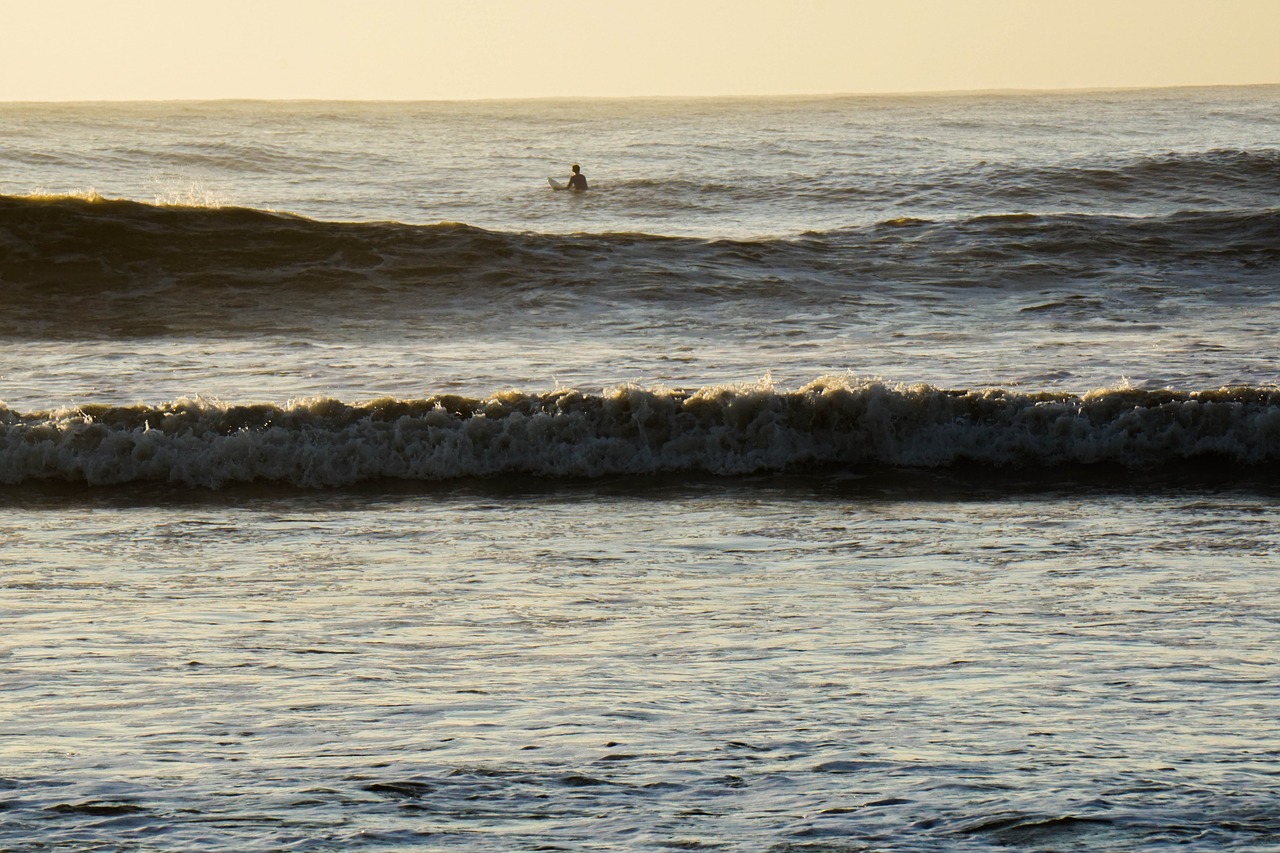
{"type": "Point", "coordinates": [719, 430]}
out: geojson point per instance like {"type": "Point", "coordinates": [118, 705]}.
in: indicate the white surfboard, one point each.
{"type": "Point", "coordinates": [556, 185]}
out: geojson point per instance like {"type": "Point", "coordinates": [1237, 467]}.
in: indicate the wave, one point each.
{"type": "Point", "coordinates": [70, 245]}
{"type": "Point", "coordinates": [834, 422]}
{"type": "Point", "coordinates": [1214, 178]}
{"type": "Point", "coordinates": [1257, 170]}
{"type": "Point", "coordinates": [221, 155]}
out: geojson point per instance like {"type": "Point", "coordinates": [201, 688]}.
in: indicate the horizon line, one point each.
{"type": "Point", "coordinates": [920, 93]}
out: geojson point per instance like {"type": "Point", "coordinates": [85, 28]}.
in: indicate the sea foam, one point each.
{"type": "Point", "coordinates": [718, 430]}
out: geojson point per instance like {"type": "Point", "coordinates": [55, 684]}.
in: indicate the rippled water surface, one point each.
{"type": "Point", "coordinates": [810, 665]}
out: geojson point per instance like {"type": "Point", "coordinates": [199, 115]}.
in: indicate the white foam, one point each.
{"type": "Point", "coordinates": [631, 430]}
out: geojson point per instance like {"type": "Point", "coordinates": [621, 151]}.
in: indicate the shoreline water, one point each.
{"type": "Point", "coordinates": [481, 668]}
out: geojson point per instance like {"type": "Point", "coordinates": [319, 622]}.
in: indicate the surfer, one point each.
{"type": "Point", "coordinates": [579, 180]}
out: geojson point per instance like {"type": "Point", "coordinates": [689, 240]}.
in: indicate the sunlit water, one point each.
{"type": "Point", "coordinates": [736, 666]}
{"type": "Point", "coordinates": [847, 659]}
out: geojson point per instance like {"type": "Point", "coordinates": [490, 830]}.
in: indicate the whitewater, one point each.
{"type": "Point", "coordinates": [837, 473]}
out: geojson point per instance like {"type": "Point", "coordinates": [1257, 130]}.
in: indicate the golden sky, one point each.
{"type": "Point", "coordinates": [444, 49]}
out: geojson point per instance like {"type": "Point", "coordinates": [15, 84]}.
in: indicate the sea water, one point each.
{"type": "Point", "coordinates": [836, 473]}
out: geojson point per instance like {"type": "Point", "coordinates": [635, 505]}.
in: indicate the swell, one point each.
{"type": "Point", "coordinates": [720, 430]}
{"type": "Point", "coordinates": [1219, 178]}
{"type": "Point", "coordinates": [1086, 246]}
{"type": "Point", "coordinates": [73, 260]}
{"type": "Point", "coordinates": [1213, 179]}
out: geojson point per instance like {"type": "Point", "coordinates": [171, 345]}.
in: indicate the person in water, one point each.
{"type": "Point", "coordinates": [579, 180]}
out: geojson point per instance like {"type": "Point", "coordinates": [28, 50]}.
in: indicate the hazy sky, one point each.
{"type": "Point", "coordinates": [428, 49]}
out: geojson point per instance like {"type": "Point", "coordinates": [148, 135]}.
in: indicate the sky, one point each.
{"type": "Point", "coordinates": [461, 49]}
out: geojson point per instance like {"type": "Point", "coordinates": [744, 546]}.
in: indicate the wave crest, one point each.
{"type": "Point", "coordinates": [720, 430]}
{"type": "Point", "coordinates": [92, 266]}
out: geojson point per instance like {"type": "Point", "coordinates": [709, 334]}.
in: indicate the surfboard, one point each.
{"type": "Point", "coordinates": [556, 185]}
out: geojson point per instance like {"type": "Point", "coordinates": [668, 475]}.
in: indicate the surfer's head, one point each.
{"type": "Point", "coordinates": [576, 168]}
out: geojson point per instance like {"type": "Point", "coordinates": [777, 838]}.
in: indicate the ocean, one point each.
{"type": "Point", "coordinates": [836, 474]}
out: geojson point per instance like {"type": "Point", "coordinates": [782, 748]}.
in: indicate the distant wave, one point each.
{"type": "Point", "coordinates": [258, 158]}
{"type": "Point", "coordinates": [720, 430]}
{"type": "Point", "coordinates": [1215, 178]}
{"type": "Point", "coordinates": [55, 251]}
